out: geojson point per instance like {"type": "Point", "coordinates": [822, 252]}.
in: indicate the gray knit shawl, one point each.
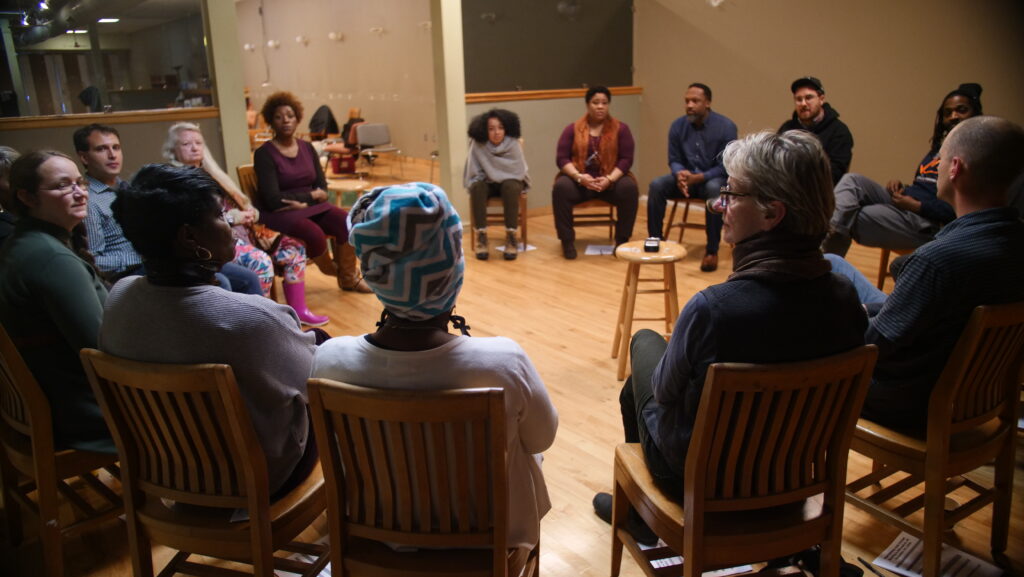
{"type": "Point", "coordinates": [496, 163]}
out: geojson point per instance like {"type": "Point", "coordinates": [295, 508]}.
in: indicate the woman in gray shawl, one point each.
{"type": "Point", "coordinates": [495, 167]}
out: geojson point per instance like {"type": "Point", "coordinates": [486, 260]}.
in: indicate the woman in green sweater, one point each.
{"type": "Point", "coordinates": [51, 300]}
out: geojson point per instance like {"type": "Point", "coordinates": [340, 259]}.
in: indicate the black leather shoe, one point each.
{"type": "Point", "coordinates": [569, 249]}
{"type": "Point", "coordinates": [635, 525]}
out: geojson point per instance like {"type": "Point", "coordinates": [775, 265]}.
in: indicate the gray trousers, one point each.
{"type": "Point", "coordinates": [865, 212]}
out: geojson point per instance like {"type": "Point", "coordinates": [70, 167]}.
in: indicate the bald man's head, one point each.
{"type": "Point", "coordinates": [990, 153]}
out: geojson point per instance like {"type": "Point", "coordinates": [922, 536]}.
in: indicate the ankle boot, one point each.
{"type": "Point", "coordinates": [325, 264]}
{"type": "Point", "coordinates": [295, 296]}
{"type": "Point", "coordinates": [349, 278]}
{"type": "Point", "coordinates": [511, 245]}
{"type": "Point", "coordinates": [480, 243]}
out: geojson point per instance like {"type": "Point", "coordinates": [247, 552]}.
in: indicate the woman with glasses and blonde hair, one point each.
{"type": "Point", "coordinates": [782, 302]}
{"type": "Point", "coordinates": [51, 299]}
{"type": "Point", "coordinates": [185, 146]}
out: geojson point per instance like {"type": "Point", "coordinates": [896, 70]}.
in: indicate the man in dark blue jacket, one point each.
{"type": "Point", "coordinates": [695, 145]}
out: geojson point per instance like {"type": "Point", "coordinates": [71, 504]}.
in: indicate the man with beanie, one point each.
{"type": "Point", "coordinates": [815, 115]}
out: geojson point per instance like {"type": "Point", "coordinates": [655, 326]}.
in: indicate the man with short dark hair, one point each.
{"type": "Point", "coordinates": [978, 259]}
{"type": "Point", "coordinates": [695, 145]}
{"type": "Point", "coordinates": [99, 148]}
{"type": "Point", "coordinates": [818, 117]}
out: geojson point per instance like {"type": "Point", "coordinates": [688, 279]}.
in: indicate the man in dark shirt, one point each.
{"type": "Point", "coordinates": [695, 145]}
{"type": "Point", "coordinates": [7, 157]}
{"type": "Point", "coordinates": [978, 259]}
{"type": "Point", "coordinates": [896, 216]}
{"type": "Point", "coordinates": [818, 117]}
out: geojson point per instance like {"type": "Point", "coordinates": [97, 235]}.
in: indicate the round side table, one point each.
{"type": "Point", "coordinates": [633, 253]}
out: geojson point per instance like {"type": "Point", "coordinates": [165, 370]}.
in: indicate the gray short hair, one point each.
{"type": "Point", "coordinates": [791, 168]}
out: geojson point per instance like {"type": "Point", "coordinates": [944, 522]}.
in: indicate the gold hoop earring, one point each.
{"type": "Point", "coordinates": [203, 254]}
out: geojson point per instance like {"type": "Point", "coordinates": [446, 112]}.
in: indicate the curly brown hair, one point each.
{"type": "Point", "coordinates": [277, 100]}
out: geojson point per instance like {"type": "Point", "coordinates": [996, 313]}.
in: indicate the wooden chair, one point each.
{"type": "Point", "coordinates": [765, 469]}
{"type": "Point", "coordinates": [27, 450]}
{"type": "Point", "coordinates": [420, 468]}
{"type": "Point", "coordinates": [248, 183]}
{"type": "Point", "coordinates": [498, 218]}
{"type": "Point", "coordinates": [602, 215]}
{"type": "Point", "coordinates": [184, 435]}
{"type": "Point", "coordinates": [883, 264]}
{"type": "Point", "coordinates": [684, 223]}
{"type": "Point", "coordinates": [972, 421]}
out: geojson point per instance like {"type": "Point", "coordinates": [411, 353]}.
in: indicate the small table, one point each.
{"type": "Point", "coordinates": [345, 189]}
{"type": "Point", "coordinates": [633, 253]}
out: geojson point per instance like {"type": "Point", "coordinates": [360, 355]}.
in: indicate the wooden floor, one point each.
{"type": "Point", "coordinates": [562, 313]}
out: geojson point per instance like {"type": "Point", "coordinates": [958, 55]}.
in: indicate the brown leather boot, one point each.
{"type": "Point", "coordinates": [325, 264]}
{"type": "Point", "coordinates": [349, 278]}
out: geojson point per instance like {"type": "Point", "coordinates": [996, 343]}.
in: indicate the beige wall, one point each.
{"type": "Point", "coordinates": [389, 74]}
{"type": "Point", "coordinates": [885, 65]}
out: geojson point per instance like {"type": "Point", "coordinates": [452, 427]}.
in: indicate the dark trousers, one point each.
{"type": "Point", "coordinates": [640, 410]}
{"type": "Point", "coordinates": [664, 188]}
{"type": "Point", "coordinates": [567, 194]}
{"type": "Point", "coordinates": [508, 190]}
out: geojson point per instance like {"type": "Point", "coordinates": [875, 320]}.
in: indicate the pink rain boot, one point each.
{"type": "Point", "coordinates": [295, 296]}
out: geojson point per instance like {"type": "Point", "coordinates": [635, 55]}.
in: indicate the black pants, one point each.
{"type": "Point", "coordinates": [567, 194]}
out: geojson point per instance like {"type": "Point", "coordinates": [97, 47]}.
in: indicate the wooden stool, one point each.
{"type": "Point", "coordinates": [633, 253]}
{"type": "Point", "coordinates": [684, 223]}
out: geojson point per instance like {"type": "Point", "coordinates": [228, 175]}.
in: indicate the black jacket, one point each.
{"type": "Point", "coordinates": [835, 138]}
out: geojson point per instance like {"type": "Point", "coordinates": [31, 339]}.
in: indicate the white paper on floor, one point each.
{"type": "Point", "coordinates": [662, 563]}
{"type": "Point", "coordinates": [904, 556]}
{"type": "Point", "coordinates": [599, 249]}
{"type": "Point", "coordinates": [522, 248]}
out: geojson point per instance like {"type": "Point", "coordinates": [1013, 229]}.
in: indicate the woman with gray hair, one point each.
{"type": "Point", "coordinates": [256, 247]}
{"type": "Point", "coordinates": [417, 272]}
{"type": "Point", "coordinates": [782, 303]}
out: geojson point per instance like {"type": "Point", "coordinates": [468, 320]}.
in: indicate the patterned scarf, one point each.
{"type": "Point", "coordinates": [608, 148]}
{"type": "Point", "coordinates": [408, 238]}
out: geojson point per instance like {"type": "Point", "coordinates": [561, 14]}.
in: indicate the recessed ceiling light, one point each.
{"type": "Point", "coordinates": [77, 32]}
{"type": "Point", "coordinates": [109, 20]}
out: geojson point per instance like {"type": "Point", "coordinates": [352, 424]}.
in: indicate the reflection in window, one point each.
{"type": "Point", "coordinates": [75, 56]}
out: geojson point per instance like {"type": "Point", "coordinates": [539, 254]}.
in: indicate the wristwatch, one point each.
{"type": "Point", "coordinates": [579, 178]}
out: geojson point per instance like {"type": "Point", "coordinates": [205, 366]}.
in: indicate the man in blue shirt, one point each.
{"type": "Point", "coordinates": [978, 259]}
{"type": "Point", "coordinates": [695, 145]}
{"type": "Point", "coordinates": [99, 149]}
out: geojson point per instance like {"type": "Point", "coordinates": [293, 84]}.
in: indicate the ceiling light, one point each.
{"type": "Point", "coordinates": [76, 32]}
{"type": "Point", "coordinates": [109, 20]}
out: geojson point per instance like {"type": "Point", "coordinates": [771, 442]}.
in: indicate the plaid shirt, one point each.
{"type": "Point", "coordinates": [113, 253]}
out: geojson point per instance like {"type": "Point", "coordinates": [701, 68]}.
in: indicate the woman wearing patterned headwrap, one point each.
{"type": "Point", "coordinates": [409, 240]}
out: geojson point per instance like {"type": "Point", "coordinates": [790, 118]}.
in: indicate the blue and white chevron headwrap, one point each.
{"type": "Point", "coordinates": [409, 241]}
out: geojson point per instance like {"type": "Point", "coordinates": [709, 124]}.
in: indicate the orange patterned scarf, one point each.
{"type": "Point", "coordinates": [608, 148]}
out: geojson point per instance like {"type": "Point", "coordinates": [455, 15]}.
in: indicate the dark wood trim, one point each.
{"type": "Point", "coordinates": [125, 117]}
{"type": "Point", "coordinates": [483, 97]}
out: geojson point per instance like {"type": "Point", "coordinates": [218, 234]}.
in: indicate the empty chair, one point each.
{"type": "Point", "coordinates": [972, 422]}
{"type": "Point", "coordinates": [373, 140]}
{"type": "Point", "coordinates": [765, 471]}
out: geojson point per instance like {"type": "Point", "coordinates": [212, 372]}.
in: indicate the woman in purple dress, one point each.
{"type": "Point", "coordinates": [292, 193]}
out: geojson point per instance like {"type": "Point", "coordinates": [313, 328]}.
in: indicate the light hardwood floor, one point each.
{"type": "Point", "coordinates": [563, 314]}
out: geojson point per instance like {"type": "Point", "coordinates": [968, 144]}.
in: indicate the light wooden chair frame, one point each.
{"type": "Point", "coordinates": [184, 435]}
{"type": "Point", "coordinates": [497, 218]}
{"type": "Point", "coordinates": [883, 264]}
{"type": "Point", "coordinates": [765, 470]}
{"type": "Point", "coordinates": [601, 213]}
{"type": "Point", "coordinates": [684, 222]}
{"type": "Point", "coordinates": [420, 468]}
{"type": "Point", "coordinates": [972, 421]}
{"type": "Point", "coordinates": [27, 450]}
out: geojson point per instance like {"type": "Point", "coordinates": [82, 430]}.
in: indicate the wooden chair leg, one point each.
{"type": "Point", "coordinates": [671, 219]}
{"type": "Point", "coordinates": [620, 512]}
{"type": "Point", "coordinates": [522, 222]}
{"type": "Point", "coordinates": [1003, 485]}
{"type": "Point", "coordinates": [883, 268]}
{"type": "Point", "coordinates": [49, 530]}
{"type": "Point", "coordinates": [627, 319]}
{"type": "Point", "coordinates": [686, 219]}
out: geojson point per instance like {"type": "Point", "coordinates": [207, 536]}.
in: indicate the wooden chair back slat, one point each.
{"type": "Point", "coordinates": [179, 429]}
{"type": "Point", "coordinates": [417, 467]}
{"type": "Point", "coordinates": [21, 398]}
{"type": "Point", "coordinates": [247, 180]}
{"type": "Point", "coordinates": [771, 432]}
{"type": "Point", "coordinates": [982, 373]}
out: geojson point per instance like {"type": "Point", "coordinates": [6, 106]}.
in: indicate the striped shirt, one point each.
{"type": "Point", "coordinates": [113, 253]}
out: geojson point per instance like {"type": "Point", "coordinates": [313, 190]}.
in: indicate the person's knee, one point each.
{"type": "Point", "coordinates": [644, 339]}
{"type": "Point", "coordinates": [511, 186]}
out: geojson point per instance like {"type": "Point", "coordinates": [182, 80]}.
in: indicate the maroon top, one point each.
{"type": "Point", "coordinates": [280, 177]}
{"type": "Point", "coordinates": [563, 154]}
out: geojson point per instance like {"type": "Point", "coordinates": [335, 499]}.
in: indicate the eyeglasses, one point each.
{"type": "Point", "coordinates": [68, 186]}
{"type": "Point", "coordinates": [725, 196]}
